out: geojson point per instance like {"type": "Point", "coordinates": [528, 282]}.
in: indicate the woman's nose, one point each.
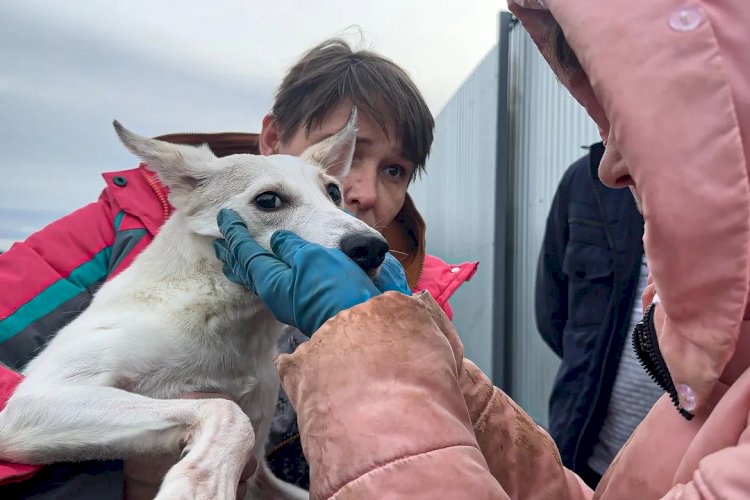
{"type": "Point", "coordinates": [361, 190]}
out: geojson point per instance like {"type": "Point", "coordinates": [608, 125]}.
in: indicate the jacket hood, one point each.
{"type": "Point", "coordinates": [667, 85]}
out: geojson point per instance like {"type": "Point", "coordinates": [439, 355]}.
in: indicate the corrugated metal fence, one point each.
{"type": "Point", "coordinates": [463, 195]}
{"type": "Point", "coordinates": [546, 134]}
{"type": "Point", "coordinates": [457, 199]}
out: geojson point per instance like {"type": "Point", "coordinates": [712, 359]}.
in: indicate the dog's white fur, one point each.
{"type": "Point", "coordinates": [171, 323]}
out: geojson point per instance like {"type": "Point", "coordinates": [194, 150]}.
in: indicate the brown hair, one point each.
{"type": "Point", "coordinates": [562, 58]}
{"type": "Point", "coordinates": [332, 72]}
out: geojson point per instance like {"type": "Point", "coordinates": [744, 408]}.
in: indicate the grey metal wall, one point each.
{"type": "Point", "coordinates": [548, 128]}
{"type": "Point", "coordinates": [457, 199]}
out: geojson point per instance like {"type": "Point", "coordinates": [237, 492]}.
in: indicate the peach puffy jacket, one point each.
{"type": "Point", "coordinates": [668, 83]}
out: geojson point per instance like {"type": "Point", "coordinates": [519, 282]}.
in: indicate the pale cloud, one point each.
{"type": "Point", "coordinates": [69, 68]}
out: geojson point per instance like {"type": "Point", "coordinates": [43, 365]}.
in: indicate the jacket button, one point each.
{"type": "Point", "coordinates": [686, 19]}
{"type": "Point", "coordinates": [687, 397]}
{"type": "Point", "coordinates": [120, 181]}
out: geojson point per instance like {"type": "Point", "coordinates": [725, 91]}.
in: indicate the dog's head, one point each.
{"type": "Point", "coordinates": [302, 195]}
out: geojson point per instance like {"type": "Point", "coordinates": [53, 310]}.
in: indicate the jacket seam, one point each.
{"type": "Point", "coordinates": [132, 238]}
{"type": "Point", "coordinates": [379, 466]}
{"type": "Point", "coordinates": [702, 485]}
{"type": "Point", "coordinates": [489, 403]}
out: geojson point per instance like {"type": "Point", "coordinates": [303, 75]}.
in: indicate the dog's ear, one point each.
{"type": "Point", "coordinates": [178, 166]}
{"type": "Point", "coordinates": [335, 154]}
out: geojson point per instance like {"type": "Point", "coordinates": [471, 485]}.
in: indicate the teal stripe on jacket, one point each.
{"type": "Point", "coordinates": [60, 291]}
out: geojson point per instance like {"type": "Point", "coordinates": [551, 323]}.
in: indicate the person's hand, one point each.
{"type": "Point", "coordinates": [303, 284]}
{"type": "Point", "coordinates": [143, 476]}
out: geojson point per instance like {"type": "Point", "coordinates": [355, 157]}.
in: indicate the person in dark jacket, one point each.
{"type": "Point", "coordinates": [591, 274]}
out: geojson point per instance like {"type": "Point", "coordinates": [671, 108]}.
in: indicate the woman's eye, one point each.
{"type": "Point", "coordinates": [268, 201]}
{"type": "Point", "coordinates": [394, 171]}
{"type": "Point", "coordinates": [334, 192]}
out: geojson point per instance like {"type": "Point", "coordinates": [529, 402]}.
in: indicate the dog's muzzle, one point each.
{"type": "Point", "coordinates": [367, 250]}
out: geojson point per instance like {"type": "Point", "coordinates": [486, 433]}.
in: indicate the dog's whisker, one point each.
{"type": "Point", "coordinates": [378, 225]}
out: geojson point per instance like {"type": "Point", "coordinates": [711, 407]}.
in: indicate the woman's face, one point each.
{"type": "Point", "coordinates": [612, 170]}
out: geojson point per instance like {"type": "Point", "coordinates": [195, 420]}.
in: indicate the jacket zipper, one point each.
{"type": "Point", "coordinates": [166, 208]}
{"type": "Point", "coordinates": [646, 347]}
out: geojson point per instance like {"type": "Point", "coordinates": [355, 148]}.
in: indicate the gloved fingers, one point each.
{"type": "Point", "coordinates": [286, 244]}
{"type": "Point", "coordinates": [241, 243]}
{"type": "Point", "coordinates": [251, 262]}
{"type": "Point", "coordinates": [221, 250]}
{"type": "Point", "coordinates": [229, 220]}
{"type": "Point", "coordinates": [391, 276]}
{"type": "Point", "coordinates": [235, 278]}
{"type": "Point", "coordinates": [238, 238]}
{"type": "Point", "coordinates": [230, 268]}
{"type": "Point", "coordinates": [392, 264]}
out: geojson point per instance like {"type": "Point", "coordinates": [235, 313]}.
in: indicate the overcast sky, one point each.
{"type": "Point", "coordinates": [69, 68]}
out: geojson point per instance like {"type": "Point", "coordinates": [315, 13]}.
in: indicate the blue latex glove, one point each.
{"type": "Point", "coordinates": [303, 284]}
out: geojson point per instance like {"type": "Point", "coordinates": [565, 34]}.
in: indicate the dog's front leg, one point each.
{"type": "Point", "coordinates": [46, 424]}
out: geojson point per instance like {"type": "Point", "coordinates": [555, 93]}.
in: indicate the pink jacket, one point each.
{"type": "Point", "coordinates": [388, 408]}
{"type": "Point", "coordinates": [668, 83]}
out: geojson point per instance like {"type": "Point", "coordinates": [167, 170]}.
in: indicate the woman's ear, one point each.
{"type": "Point", "coordinates": [270, 136]}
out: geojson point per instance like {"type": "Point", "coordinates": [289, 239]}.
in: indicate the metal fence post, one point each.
{"type": "Point", "coordinates": [502, 338]}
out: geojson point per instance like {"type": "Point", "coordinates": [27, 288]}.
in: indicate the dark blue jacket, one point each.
{"type": "Point", "coordinates": [587, 280]}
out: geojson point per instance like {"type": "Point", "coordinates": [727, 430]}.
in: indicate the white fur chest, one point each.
{"type": "Point", "coordinates": [163, 332]}
{"type": "Point", "coordinates": [219, 338]}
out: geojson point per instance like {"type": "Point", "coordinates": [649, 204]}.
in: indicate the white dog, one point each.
{"type": "Point", "coordinates": [171, 323]}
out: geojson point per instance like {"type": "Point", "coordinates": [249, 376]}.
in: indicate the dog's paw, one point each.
{"type": "Point", "coordinates": [215, 453]}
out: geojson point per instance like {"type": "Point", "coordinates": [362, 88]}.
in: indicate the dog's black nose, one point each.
{"type": "Point", "coordinates": [367, 250]}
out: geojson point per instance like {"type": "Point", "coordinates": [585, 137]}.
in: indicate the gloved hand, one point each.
{"type": "Point", "coordinates": [303, 284]}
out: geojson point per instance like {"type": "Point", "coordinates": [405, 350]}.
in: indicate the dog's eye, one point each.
{"type": "Point", "coordinates": [268, 201]}
{"type": "Point", "coordinates": [335, 193]}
